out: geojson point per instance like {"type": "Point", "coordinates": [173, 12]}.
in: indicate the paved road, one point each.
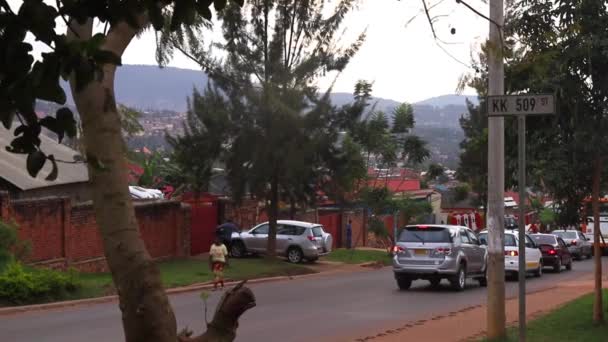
{"type": "Point", "coordinates": [319, 308]}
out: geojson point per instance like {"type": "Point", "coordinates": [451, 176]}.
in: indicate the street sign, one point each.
{"type": "Point", "coordinates": [534, 104]}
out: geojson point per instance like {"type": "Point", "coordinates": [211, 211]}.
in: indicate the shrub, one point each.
{"type": "Point", "coordinates": [23, 286]}
{"type": "Point", "coordinates": [10, 246]}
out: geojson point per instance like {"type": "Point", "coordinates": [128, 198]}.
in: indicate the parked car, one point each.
{"type": "Point", "coordinates": [533, 254]}
{"type": "Point", "coordinates": [296, 240]}
{"type": "Point", "coordinates": [554, 250]}
{"type": "Point", "coordinates": [578, 244]}
{"type": "Point", "coordinates": [435, 252]}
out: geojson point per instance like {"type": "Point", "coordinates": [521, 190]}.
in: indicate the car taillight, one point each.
{"type": "Point", "coordinates": [552, 252]}
{"type": "Point", "coordinates": [573, 242]}
{"type": "Point", "coordinates": [443, 250]}
{"type": "Point", "coordinates": [398, 249]}
{"type": "Point", "coordinates": [311, 238]}
{"type": "Point", "coordinates": [511, 253]}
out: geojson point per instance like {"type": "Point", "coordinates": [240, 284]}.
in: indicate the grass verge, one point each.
{"type": "Point", "coordinates": [358, 256]}
{"type": "Point", "coordinates": [184, 272]}
{"type": "Point", "coordinates": [571, 323]}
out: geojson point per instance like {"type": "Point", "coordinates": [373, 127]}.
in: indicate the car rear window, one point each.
{"type": "Point", "coordinates": [566, 235]}
{"type": "Point", "coordinates": [510, 240]}
{"type": "Point", "coordinates": [544, 239]}
{"type": "Point", "coordinates": [430, 234]}
{"type": "Point", "coordinates": [317, 231]}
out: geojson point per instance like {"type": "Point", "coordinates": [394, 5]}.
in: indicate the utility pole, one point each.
{"type": "Point", "coordinates": [496, 316]}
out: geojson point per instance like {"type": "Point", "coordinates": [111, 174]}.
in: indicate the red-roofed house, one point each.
{"type": "Point", "coordinates": [396, 186]}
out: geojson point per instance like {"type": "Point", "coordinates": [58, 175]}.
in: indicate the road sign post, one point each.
{"type": "Point", "coordinates": [521, 106]}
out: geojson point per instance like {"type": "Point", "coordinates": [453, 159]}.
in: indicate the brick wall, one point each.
{"type": "Point", "coordinates": [63, 235]}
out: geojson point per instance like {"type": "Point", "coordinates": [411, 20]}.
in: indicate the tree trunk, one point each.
{"type": "Point", "coordinates": [225, 321]}
{"type": "Point", "coordinates": [146, 313]}
{"type": "Point", "coordinates": [292, 208]}
{"type": "Point", "coordinates": [273, 215]}
{"type": "Point", "coordinates": [598, 313]}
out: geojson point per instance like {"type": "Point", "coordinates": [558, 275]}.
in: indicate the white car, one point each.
{"type": "Point", "coordinates": [533, 254]}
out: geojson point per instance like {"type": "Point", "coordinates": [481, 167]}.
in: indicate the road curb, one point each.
{"type": "Point", "coordinates": [106, 299]}
{"type": "Point", "coordinates": [177, 290]}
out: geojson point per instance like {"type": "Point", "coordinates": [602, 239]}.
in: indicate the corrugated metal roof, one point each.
{"type": "Point", "coordinates": [13, 170]}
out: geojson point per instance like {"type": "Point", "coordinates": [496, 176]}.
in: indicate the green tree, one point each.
{"type": "Point", "coordinates": [434, 171]}
{"type": "Point", "coordinates": [206, 131]}
{"type": "Point", "coordinates": [89, 60]}
{"type": "Point", "coordinates": [403, 118]}
{"type": "Point", "coordinates": [277, 125]}
{"type": "Point", "coordinates": [564, 48]}
{"type": "Point", "coordinates": [473, 164]}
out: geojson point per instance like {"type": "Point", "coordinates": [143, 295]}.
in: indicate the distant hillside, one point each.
{"type": "Point", "coordinates": [150, 87]}
{"type": "Point", "coordinates": [449, 100]}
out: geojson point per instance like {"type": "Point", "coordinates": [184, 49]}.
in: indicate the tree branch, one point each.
{"type": "Point", "coordinates": [225, 321]}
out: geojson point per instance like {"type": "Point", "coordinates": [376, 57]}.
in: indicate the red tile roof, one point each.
{"type": "Point", "coordinates": [396, 185]}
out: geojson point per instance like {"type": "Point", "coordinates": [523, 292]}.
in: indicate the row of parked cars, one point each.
{"type": "Point", "coordinates": [456, 253]}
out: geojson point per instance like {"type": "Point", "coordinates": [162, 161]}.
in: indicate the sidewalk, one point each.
{"type": "Point", "coordinates": [469, 324]}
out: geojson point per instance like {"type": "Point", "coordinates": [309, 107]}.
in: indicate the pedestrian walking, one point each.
{"type": "Point", "coordinates": [218, 258]}
{"type": "Point", "coordinates": [349, 234]}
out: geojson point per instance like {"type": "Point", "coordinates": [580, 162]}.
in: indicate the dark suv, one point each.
{"type": "Point", "coordinates": [435, 252]}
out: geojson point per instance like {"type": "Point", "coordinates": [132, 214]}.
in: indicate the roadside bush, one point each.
{"type": "Point", "coordinates": [10, 246]}
{"type": "Point", "coordinates": [22, 286]}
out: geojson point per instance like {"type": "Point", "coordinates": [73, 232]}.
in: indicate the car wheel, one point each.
{"type": "Point", "coordinates": [569, 265]}
{"type": "Point", "coordinates": [295, 255]}
{"type": "Point", "coordinates": [237, 250]}
{"type": "Point", "coordinates": [557, 268]}
{"type": "Point", "coordinates": [483, 281]}
{"type": "Point", "coordinates": [404, 283]}
{"type": "Point", "coordinates": [460, 279]}
{"type": "Point", "coordinates": [435, 282]}
{"type": "Point", "coordinates": [539, 270]}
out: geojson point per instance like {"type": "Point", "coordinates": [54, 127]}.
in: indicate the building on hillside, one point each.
{"type": "Point", "coordinates": [72, 180]}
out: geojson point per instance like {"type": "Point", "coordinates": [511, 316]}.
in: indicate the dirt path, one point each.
{"type": "Point", "coordinates": [469, 323]}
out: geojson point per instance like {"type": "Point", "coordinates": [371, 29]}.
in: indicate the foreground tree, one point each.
{"type": "Point", "coordinates": [89, 61]}
{"type": "Point", "coordinates": [275, 126]}
{"type": "Point", "coordinates": [565, 52]}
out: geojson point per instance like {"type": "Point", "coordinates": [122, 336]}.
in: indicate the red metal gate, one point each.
{"type": "Point", "coordinates": [204, 218]}
{"type": "Point", "coordinates": [332, 223]}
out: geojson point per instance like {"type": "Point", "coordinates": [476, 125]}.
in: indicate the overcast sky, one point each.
{"type": "Point", "coordinates": [403, 60]}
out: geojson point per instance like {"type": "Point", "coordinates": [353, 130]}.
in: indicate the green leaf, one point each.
{"type": "Point", "coordinates": [156, 16]}
{"type": "Point", "coordinates": [55, 171]}
{"type": "Point", "coordinates": [45, 79]}
{"type": "Point", "coordinates": [219, 4]}
{"type": "Point", "coordinates": [35, 162]}
{"type": "Point", "coordinates": [203, 10]}
{"type": "Point", "coordinates": [106, 57]}
{"type": "Point", "coordinates": [40, 19]}
{"type": "Point", "coordinates": [7, 114]}
{"type": "Point", "coordinates": [65, 119]}
{"type": "Point", "coordinates": [95, 42]}
{"type": "Point", "coordinates": [53, 125]}
{"type": "Point", "coordinates": [96, 163]}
